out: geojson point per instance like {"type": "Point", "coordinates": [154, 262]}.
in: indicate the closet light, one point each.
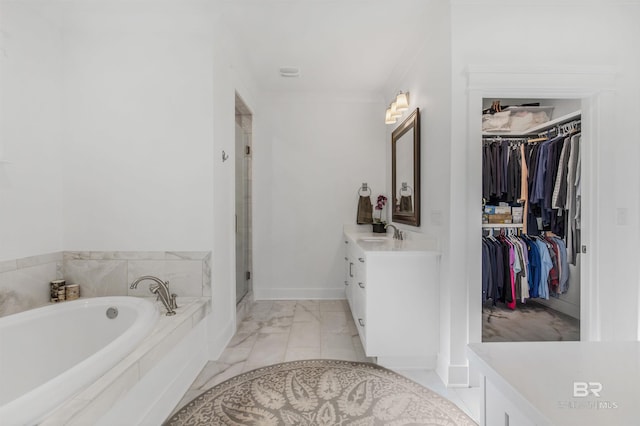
{"type": "Point", "coordinates": [402, 102]}
{"type": "Point", "coordinates": [388, 118]}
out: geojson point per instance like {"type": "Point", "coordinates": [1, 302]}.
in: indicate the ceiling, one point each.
{"type": "Point", "coordinates": [339, 45]}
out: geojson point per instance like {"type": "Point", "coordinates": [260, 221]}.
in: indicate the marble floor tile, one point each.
{"type": "Point", "coordinates": [276, 324]}
{"type": "Point", "coordinates": [342, 354]}
{"type": "Point", "coordinates": [284, 307]}
{"type": "Point", "coordinates": [248, 327]}
{"type": "Point", "coordinates": [296, 354]}
{"type": "Point", "coordinates": [226, 372]}
{"type": "Point", "coordinates": [279, 331]}
{"type": "Point", "coordinates": [333, 341]}
{"type": "Point", "coordinates": [336, 322]}
{"type": "Point", "coordinates": [305, 335]}
{"type": "Point", "coordinates": [234, 355]}
{"type": "Point", "coordinates": [243, 340]}
{"type": "Point", "coordinates": [306, 314]}
{"type": "Point", "coordinates": [310, 305]}
{"type": "Point", "coordinates": [333, 306]}
{"type": "Point", "coordinates": [268, 349]}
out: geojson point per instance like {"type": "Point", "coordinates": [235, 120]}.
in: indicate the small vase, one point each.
{"type": "Point", "coordinates": [378, 228]}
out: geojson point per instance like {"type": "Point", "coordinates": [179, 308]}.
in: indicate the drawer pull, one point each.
{"type": "Point", "coordinates": [361, 259]}
{"type": "Point", "coordinates": [346, 283]}
{"type": "Point", "coordinates": [346, 258]}
{"type": "Point", "coordinates": [361, 322]}
{"type": "Point", "coordinates": [361, 285]}
{"type": "Point", "coordinates": [351, 269]}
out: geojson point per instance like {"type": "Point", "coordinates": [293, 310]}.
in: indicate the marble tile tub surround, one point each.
{"type": "Point", "coordinates": [101, 273]}
{"type": "Point", "coordinates": [24, 283]}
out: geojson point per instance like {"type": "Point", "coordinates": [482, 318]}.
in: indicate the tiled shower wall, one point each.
{"type": "Point", "coordinates": [24, 283]}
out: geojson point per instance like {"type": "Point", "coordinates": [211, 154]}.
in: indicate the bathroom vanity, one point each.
{"type": "Point", "coordinates": [392, 289]}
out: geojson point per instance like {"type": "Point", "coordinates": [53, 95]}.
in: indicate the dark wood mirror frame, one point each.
{"type": "Point", "coordinates": [411, 217]}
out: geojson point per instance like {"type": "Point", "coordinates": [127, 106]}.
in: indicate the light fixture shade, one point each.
{"type": "Point", "coordinates": [402, 102]}
{"type": "Point", "coordinates": [388, 118]}
{"type": "Point", "coordinates": [394, 110]}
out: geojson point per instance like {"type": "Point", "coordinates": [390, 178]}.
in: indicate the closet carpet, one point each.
{"type": "Point", "coordinates": [320, 393]}
{"type": "Point", "coordinates": [529, 322]}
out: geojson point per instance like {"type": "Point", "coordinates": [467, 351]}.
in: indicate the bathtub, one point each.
{"type": "Point", "coordinates": [49, 354]}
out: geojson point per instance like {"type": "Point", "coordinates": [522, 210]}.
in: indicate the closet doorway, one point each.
{"type": "Point", "coordinates": [243, 196]}
{"type": "Point", "coordinates": [531, 219]}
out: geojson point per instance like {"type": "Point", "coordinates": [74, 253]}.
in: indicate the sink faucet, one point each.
{"type": "Point", "coordinates": [161, 289]}
{"type": "Point", "coordinates": [397, 234]}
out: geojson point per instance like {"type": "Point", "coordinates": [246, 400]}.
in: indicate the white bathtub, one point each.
{"type": "Point", "coordinates": [49, 354]}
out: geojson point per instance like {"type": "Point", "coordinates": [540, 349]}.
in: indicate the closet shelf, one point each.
{"type": "Point", "coordinates": [539, 128]}
{"type": "Point", "coordinates": [502, 225]}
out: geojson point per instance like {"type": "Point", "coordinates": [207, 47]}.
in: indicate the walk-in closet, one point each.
{"type": "Point", "coordinates": [531, 219]}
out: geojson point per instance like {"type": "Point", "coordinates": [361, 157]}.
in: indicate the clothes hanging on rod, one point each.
{"type": "Point", "coordinates": [502, 169]}
{"type": "Point", "coordinates": [541, 173]}
{"type": "Point", "coordinates": [523, 267]}
{"type": "Point", "coordinates": [554, 188]}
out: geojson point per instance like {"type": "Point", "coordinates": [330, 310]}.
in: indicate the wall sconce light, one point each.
{"type": "Point", "coordinates": [397, 107]}
{"type": "Point", "coordinates": [402, 102]}
{"type": "Point", "coordinates": [388, 118]}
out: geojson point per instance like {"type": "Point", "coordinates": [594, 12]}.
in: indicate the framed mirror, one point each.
{"type": "Point", "coordinates": [405, 171]}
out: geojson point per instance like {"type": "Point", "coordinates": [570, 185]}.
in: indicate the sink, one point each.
{"type": "Point", "coordinates": [373, 239]}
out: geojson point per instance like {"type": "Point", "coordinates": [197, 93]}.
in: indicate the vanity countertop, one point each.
{"type": "Point", "coordinates": [374, 242]}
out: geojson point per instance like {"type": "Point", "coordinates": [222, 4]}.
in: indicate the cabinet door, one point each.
{"type": "Point", "coordinates": [360, 298]}
{"type": "Point", "coordinates": [500, 410]}
{"type": "Point", "coordinates": [360, 317]}
{"type": "Point", "coordinates": [349, 273]}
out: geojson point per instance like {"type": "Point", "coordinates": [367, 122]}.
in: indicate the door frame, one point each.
{"type": "Point", "coordinates": [594, 87]}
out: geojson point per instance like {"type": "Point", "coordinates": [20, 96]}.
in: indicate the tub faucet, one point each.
{"type": "Point", "coordinates": [397, 234]}
{"type": "Point", "coordinates": [161, 289]}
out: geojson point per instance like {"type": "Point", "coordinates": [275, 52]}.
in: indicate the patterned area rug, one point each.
{"type": "Point", "coordinates": [322, 393]}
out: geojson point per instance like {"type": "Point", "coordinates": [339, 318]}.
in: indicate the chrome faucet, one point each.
{"type": "Point", "coordinates": [397, 234]}
{"type": "Point", "coordinates": [161, 289]}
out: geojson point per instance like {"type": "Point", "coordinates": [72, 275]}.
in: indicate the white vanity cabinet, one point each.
{"type": "Point", "coordinates": [392, 289]}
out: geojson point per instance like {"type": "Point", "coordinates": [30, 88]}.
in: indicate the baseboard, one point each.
{"type": "Point", "coordinates": [562, 306]}
{"type": "Point", "coordinates": [299, 293]}
{"type": "Point", "coordinates": [453, 376]}
{"type": "Point", "coordinates": [408, 362]}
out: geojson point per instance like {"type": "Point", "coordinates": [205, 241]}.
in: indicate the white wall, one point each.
{"type": "Point", "coordinates": [311, 154]}
{"type": "Point", "coordinates": [138, 152]}
{"type": "Point", "coordinates": [150, 108]}
{"type": "Point", "coordinates": [229, 76]}
{"type": "Point", "coordinates": [30, 132]}
{"type": "Point", "coordinates": [590, 35]}
{"type": "Point", "coordinates": [426, 74]}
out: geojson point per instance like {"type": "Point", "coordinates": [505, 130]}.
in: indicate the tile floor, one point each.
{"type": "Point", "coordinates": [278, 331]}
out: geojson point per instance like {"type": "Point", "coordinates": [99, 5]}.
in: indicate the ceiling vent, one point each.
{"type": "Point", "coordinates": [289, 71]}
